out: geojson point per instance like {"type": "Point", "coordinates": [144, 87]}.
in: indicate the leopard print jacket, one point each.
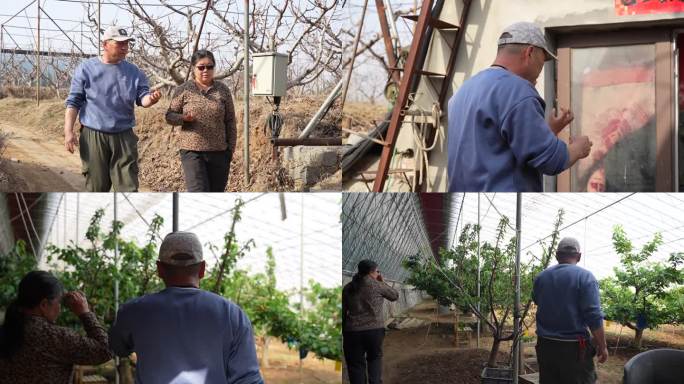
{"type": "Point", "coordinates": [214, 126]}
{"type": "Point", "coordinates": [49, 352]}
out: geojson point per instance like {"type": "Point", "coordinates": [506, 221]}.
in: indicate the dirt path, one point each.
{"type": "Point", "coordinates": [39, 163]}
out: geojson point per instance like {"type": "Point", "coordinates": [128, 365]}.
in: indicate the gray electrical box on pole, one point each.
{"type": "Point", "coordinates": [269, 74]}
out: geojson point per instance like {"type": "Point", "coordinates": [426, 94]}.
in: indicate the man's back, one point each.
{"type": "Point", "coordinates": [186, 335]}
{"type": "Point", "coordinates": [498, 138]}
{"type": "Point", "coordinates": [567, 299]}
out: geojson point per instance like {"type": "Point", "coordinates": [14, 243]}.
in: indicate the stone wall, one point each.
{"type": "Point", "coordinates": [307, 166]}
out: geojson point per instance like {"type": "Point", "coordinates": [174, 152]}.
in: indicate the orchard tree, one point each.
{"type": "Point", "coordinates": [14, 265]}
{"type": "Point", "coordinates": [320, 327]}
{"type": "Point", "coordinates": [94, 269]}
{"type": "Point", "coordinates": [639, 295]}
{"type": "Point", "coordinates": [452, 279]}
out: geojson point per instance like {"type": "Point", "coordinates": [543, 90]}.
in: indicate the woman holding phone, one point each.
{"type": "Point", "coordinates": [35, 350]}
{"type": "Point", "coordinates": [363, 322]}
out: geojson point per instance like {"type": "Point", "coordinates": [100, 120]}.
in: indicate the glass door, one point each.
{"type": "Point", "coordinates": [617, 86]}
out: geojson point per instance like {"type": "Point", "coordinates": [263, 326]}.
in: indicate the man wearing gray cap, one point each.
{"type": "Point", "coordinates": [568, 310]}
{"type": "Point", "coordinates": [498, 139]}
{"type": "Point", "coordinates": [184, 334]}
{"type": "Point", "coordinates": [104, 92]}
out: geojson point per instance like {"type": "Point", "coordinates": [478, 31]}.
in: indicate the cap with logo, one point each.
{"type": "Point", "coordinates": [526, 33]}
{"type": "Point", "coordinates": [117, 34]}
{"type": "Point", "coordinates": [568, 246]}
{"type": "Point", "coordinates": [180, 249]}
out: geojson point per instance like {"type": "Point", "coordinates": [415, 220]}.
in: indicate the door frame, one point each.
{"type": "Point", "coordinates": [666, 130]}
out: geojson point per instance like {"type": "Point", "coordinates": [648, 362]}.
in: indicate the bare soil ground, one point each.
{"type": "Point", "coordinates": [284, 368]}
{"type": "Point", "coordinates": [37, 142]}
{"type": "Point", "coordinates": [427, 355]}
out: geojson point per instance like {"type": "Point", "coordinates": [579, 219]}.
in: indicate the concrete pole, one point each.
{"type": "Point", "coordinates": [116, 288]}
{"type": "Point", "coordinates": [516, 309]}
{"type": "Point", "coordinates": [245, 131]}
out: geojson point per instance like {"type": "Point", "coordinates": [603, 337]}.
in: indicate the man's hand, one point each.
{"type": "Point", "coordinates": [151, 99]}
{"type": "Point", "coordinates": [379, 278]}
{"type": "Point", "coordinates": [76, 302]}
{"type": "Point", "coordinates": [154, 97]}
{"type": "Point", "coordinates": [602, 354]}
{"type": "Point", "coordinates": [70, 140]}
{"type": "Point", "coordinates": [559, 121]}
{"type": "Point", "coordinates": [579, 148]}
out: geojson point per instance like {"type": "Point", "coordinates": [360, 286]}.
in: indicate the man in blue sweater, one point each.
{"type": "Point", "coordinates": [498, 139]}
{"type": "Point", "coordinates": [184, 335]}
{"type": "Point", "coordinates": [104, 92]}
{"type": "Point", "coordinates": [568, 310]}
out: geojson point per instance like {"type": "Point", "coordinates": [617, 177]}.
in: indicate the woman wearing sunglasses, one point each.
{"type": "Point", "coordinates": [204, 110]}
{"type": "Point", "coordinates": [33, 349]}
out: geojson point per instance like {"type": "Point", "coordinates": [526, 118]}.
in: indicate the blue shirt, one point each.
{"type": "Point", "coordinates": [567, 298]}
{"type": "Point", "coordinates": [106, 94]}
{"type": "Point", "coordinates": [186, 336]}
{"type": "Point", "coordinates": [498, 139]}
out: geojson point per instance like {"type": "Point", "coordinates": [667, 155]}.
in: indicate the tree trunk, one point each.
{"type": "Point", "coordinates": [491, 362]}
{"type": "Point", "coordinates": [264, 353]}
{"type": "Point", "coordinates": [638, 333]}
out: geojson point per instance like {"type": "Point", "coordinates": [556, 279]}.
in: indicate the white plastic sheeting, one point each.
{"type": "Point", "coordinates": [209, 215]}
{"type": "Point", "coordinates": [371, 232]}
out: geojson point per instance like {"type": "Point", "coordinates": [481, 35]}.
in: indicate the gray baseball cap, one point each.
{"type": "Point", "coordinates": [181, 249]}
{"type": "Point", "coordinates": [568, 245]}
{"type": "Point", "coordinates": [117, 33]}
{"type": "Point", "coordinates": [526, 33]}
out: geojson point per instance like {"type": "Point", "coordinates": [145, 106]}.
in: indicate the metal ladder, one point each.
{"type": "Point", "coordinates": [427, 22]}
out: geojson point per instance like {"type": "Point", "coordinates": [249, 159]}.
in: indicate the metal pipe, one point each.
{"type": "Point", "coordinates": [2, 48]}
{"type": "Point", "coordinates": [283, 210]}
{"type": "Point", "coordinates": [245, 131]}
{"type": "Point", "coordinates": [38, 57]}
{"type": "Point", "coordinates": [479, 268]}
{"type": "Point", "coordinates": [78, 212]}
{"type": "Point", "coordinates": [197, 38]}
{"type": "Point", "coordinates": [47, 54]}
{"type": "Point", "coordinates": [353, 58]}
{"type": "Point", "coordinates": [60, 28]}
{"type": "Point", "coordinates": [175, 212]}
{"type": "Point", "coordinates": [516, 309]}
{"type": "Point", "coordinates": [20, 11]}
{"type": "Point", "coordinates": [322, 110]}
{"type": "Point", "coordinates": [116, 286]}
{"type": "Point", "coordinates": [64, 232]}
{"type": "Point", "coordinates": [392, 25]}
{"type": "Point", "coordinates": [301, 280]}
{"type": "Point", "coordinates": [311, 141]}
{"type": "Point", "coordinates": [390, 51]}
{"type": "Point", "coordinates": [99, 28]}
